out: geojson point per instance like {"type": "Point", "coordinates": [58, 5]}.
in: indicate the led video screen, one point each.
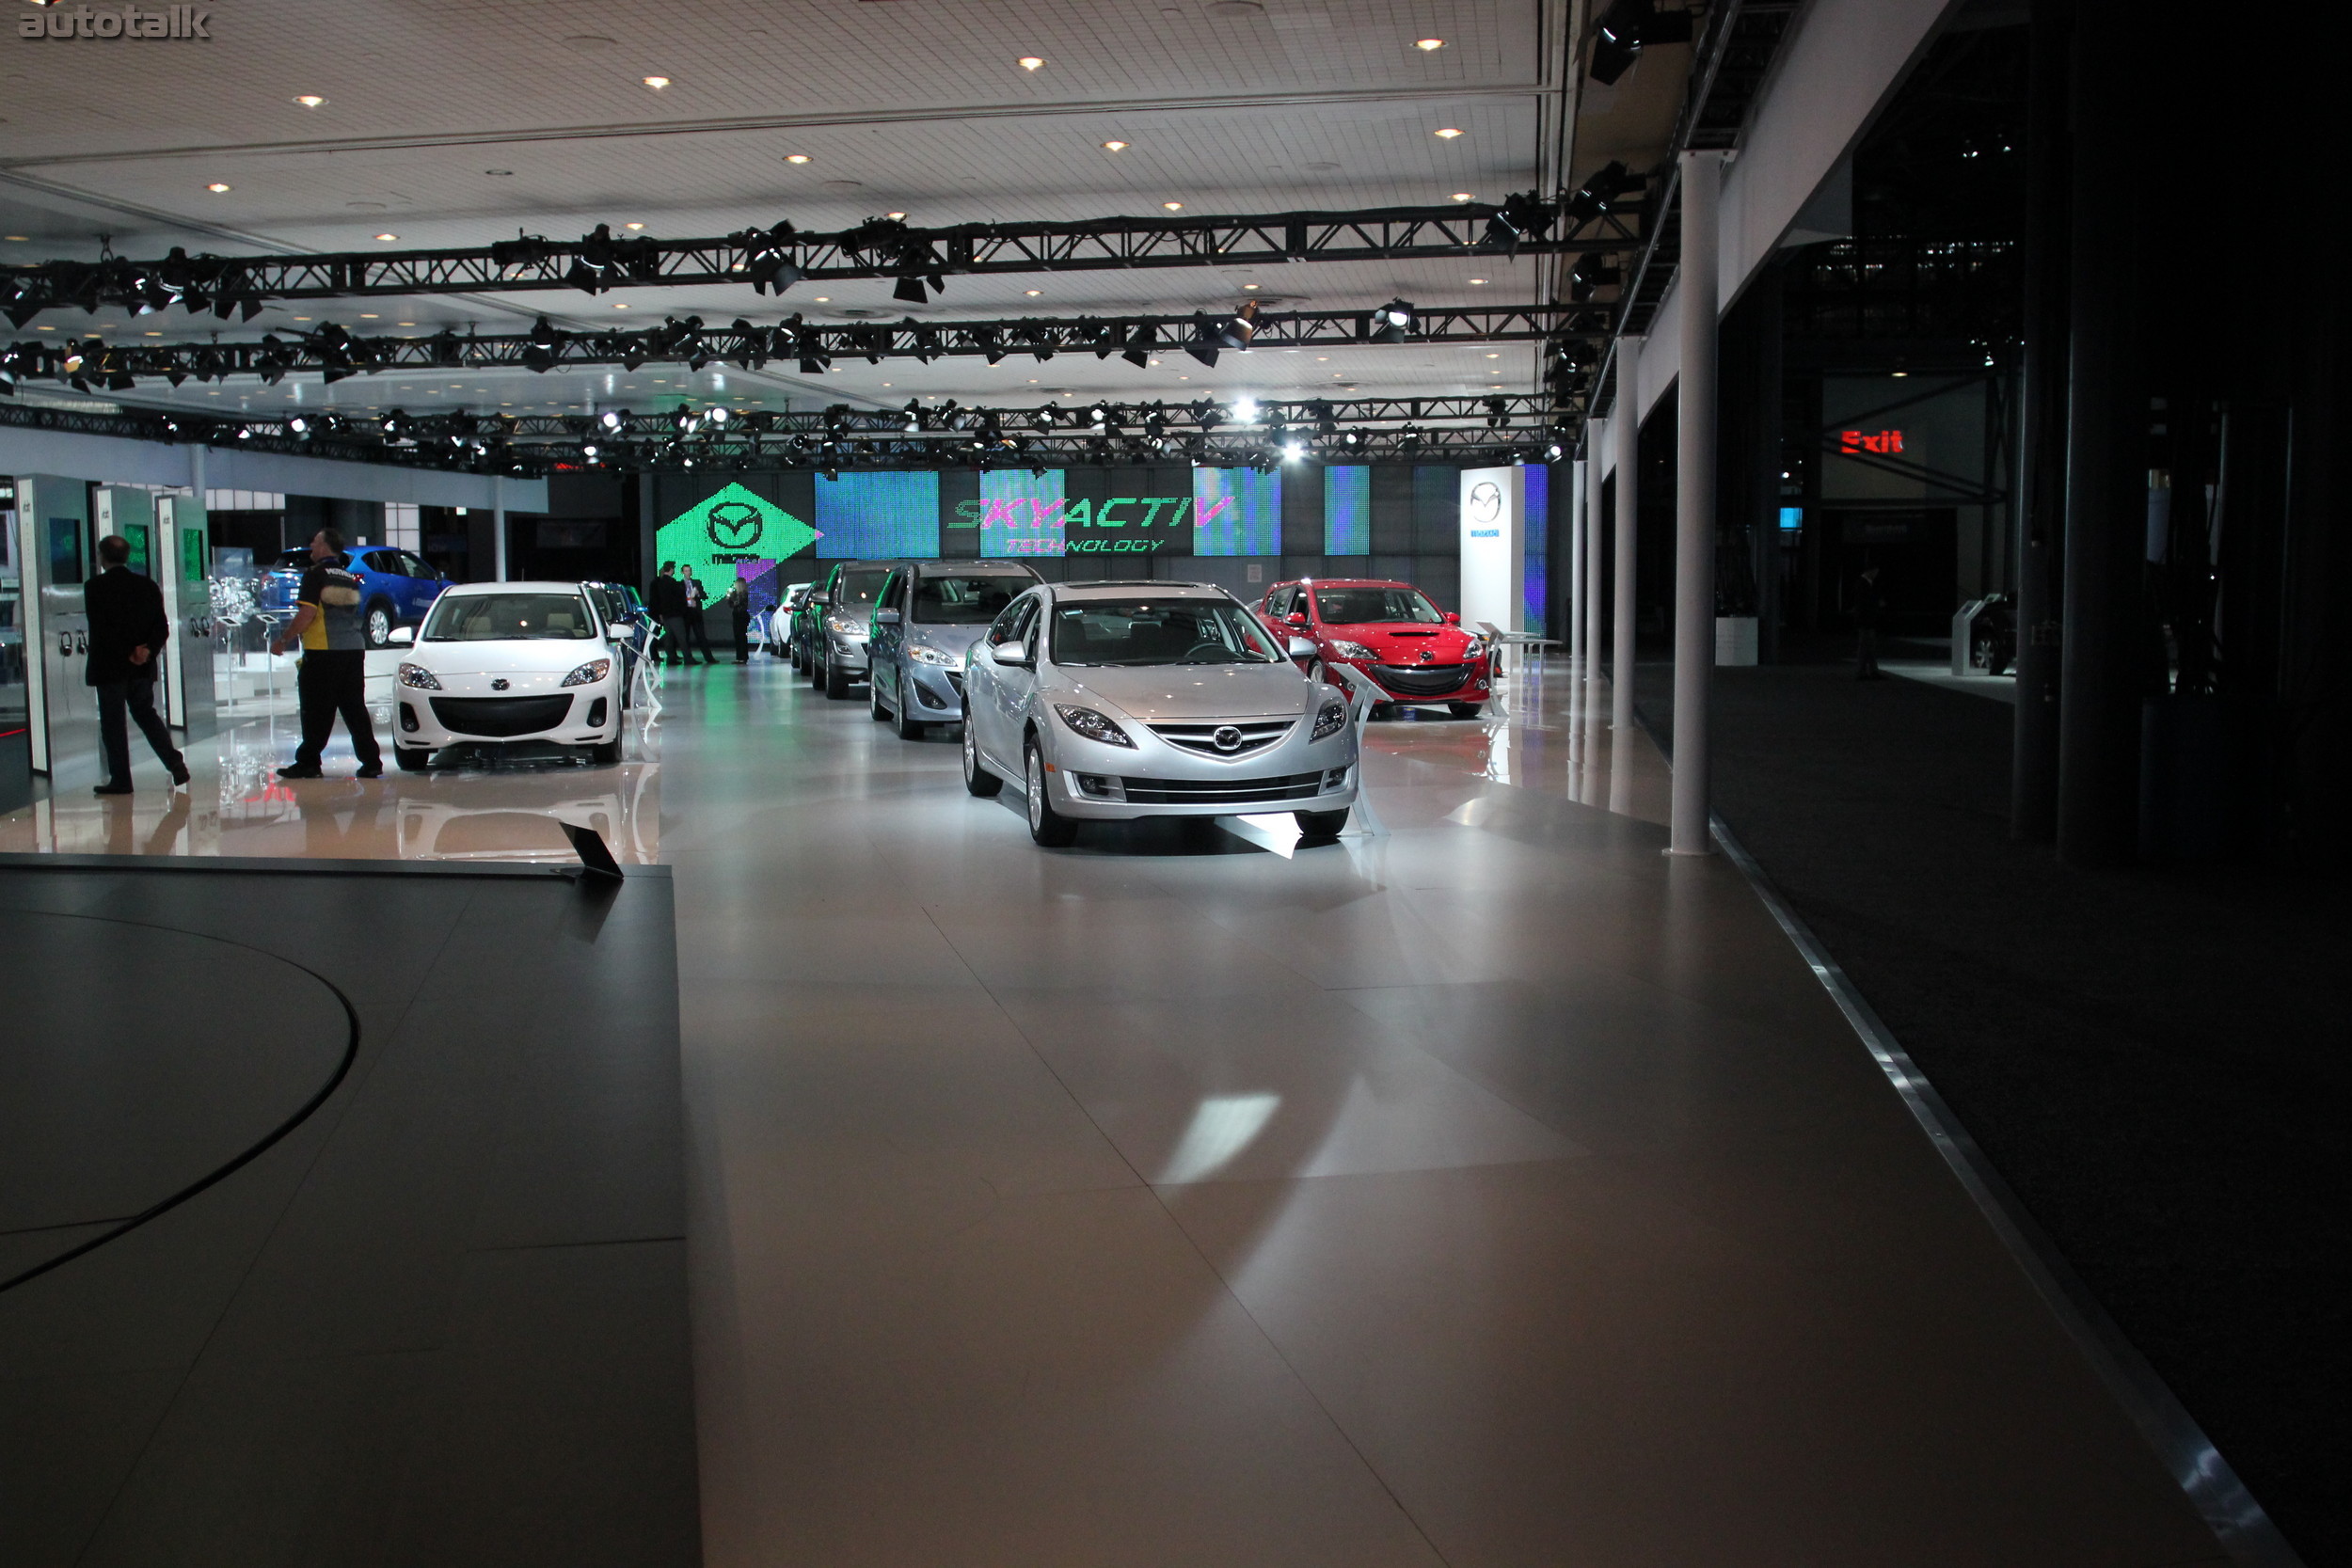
{"type": "Point", "coordinates": [876, 515]}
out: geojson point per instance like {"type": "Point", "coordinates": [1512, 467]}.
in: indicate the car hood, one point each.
{"type": "Point", "coordinates": [947, 640]}
{"type": "Point", "coordinates": [535, 657]}
{"type": "Point", "coordinates": [1404, 642]}
{"type": "Point", "coordinates": [1182, 692]}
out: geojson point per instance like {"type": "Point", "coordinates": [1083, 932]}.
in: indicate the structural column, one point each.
{"type": "Point", "coordinates": [1580, 520]}
{"type": "Point", "coordinates": [1626, 426]}
{"type": "Point", "coordinates": [1694, 502]}
{"type": "Point", "coordinates": [1596, 555]}
{"type": "Point", "coordinates": [498, 529]}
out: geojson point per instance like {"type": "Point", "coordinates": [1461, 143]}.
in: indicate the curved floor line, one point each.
{"type": "Point", "coordinates": [334, 1081]}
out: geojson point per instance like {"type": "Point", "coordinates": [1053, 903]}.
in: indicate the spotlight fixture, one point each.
{"type": "Point", "coordinates": [1523, 216]}
{"type": "Point", "coordinates": [1592, 272]}
{"type": "Point", "coordinates": [1448, 133]}
{"type": "Point", "coordinates": [1392, 321]}
{"type": "Point", "coordinates": [1138, 350]}
{"type": "Point", "coordinates": [1600, 193]}
{"type": "Point", "coordinates": [1244, 411]}
{"type": "Point", "coordinates": [1628, 26]}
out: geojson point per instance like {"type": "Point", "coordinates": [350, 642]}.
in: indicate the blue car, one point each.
{"type": "Point", "coordinates": [396, 588]}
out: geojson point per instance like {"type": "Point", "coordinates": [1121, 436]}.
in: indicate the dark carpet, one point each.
{"type": "Point", "coordinates": [2157, 1061]}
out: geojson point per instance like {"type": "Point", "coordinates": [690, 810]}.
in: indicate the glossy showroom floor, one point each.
{"type": "Point", "coordinates": [1495, 1191]}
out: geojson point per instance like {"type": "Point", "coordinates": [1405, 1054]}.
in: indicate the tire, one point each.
{"type": "Point", "coordinates": [606, 753]}
{"type": "Point", "coordinates": [412, 759]}
{"type": "Point", "coordinates": [792, 652]}
{"type": "Point", "coordinates": [874, 708]}
{"type": "Point", "coordinates": [835, 681]}
{"type": "Point", "coordinates": [1321, 824]}
{"type": "Point", "coordinates": [1466, 710]}
{"type": "Point", "coordinates": [908, 728]}
{"type": "Point", "coordinates": [378, 624]}
{"type": "Point", "coordinates": [1051, 830]}
{"type": "Point", "coordinates": [978, 780]}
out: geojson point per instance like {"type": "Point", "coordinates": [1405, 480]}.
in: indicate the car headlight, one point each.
{"type": "Point", "coordinates": [1331, 721]}
{"type": "Point", "coordinates": [846, 625]}
{"type": "Point", "coordinates": [590, 672]}
{"type": "Point", "coordinates": [1475, 648]}
{"type": "Point", "coordinates": [1352, 650]}
{"type": "Point", "coordinates": [1093, 727]}
{"type": "Point", "coordinates": [420, 677]}
{"type": "Point", "coordinates": [923, 653]}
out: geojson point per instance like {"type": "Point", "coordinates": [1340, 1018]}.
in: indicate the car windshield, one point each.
{"type": "Point", "coordinates": [1159, 631]}
{"type": "Point", "coordinates": [858, 588]}
{"type": "Point", "coordinates": [1356, 606]}
{"type": "Point", "coordinates": [509, 618]}
{"type": "Point", "coordinates": [972, 601]}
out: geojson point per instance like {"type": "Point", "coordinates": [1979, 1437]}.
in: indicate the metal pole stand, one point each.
{"type": "Point", "coordinates": [1365, 821]}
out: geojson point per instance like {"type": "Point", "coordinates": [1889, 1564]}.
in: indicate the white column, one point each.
{"type": "Point", "coordinates": [1578, 523]}
{"type": "Point", "coordinates": [1596, 555]}
{"type": "Point", "coordinates": [1694, 502]}
{"type": "Point", "coordinates": [498, 528]}
{"type": "Point", "coordinates": [1626, 425]}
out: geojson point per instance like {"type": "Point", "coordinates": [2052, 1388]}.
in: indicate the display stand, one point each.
{"type": "Point", "coordinates": [648, 684]}
{"type": "Point", "coordinates": [1365, 822]}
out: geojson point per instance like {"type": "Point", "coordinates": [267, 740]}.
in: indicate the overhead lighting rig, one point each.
{"type": "Point", "coordinates": [919, 261]}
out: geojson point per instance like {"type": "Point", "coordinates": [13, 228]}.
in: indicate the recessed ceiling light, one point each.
{"type": "Point", "coordinates": [1425, 45]}
{"type": "Point", "coordinates": [216, 187]}
{"type": "Point", "coordinates": [1173, 206]}
{"type": "Point", "coordinates": [1250, 285]}
{"type": "Point", "coordinates": [1475, 281]}
{"type": "Point", "coordinates": [302, 318]}
{"type": "Point", "coordinates": [368, 315]}
{"type": "Point", "coordinates": [1448, 133]}
{"type": "Point", "coordinates": [404, 323]}
{"type": "Point", "coordinates": [1494, 356]}
{"type": "Point", "coordinates": [500, 173]}
{"type": "Point", "coordinates": [1030, 62]}
{"type": "Point", "coordinates": [1465, 196]}
{"type": "Point", "coordinates": [1113, 147]}
{"type": "Point", "coordinates": [618, 306]}
{"type": "Point", "coordinates": [17, 239]}
{"type": "Point", "coordinates": [895, 216]}
{"type": "Point", "coordinates": [388, 237]}
{"type": "Point", "coordinates": [632, 227]}
{"type": "Point", "coordinates": [796, 157]}
{"type": "Point", "coordinates": [1033, 292]}
{"type": "Point", "coordinates": [310, 101]}
{"type": "Point", "coordinates": [824, 299]}
{"type": "Point", "coordinates": [657, 83]}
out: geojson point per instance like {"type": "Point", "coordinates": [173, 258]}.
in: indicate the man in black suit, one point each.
{"type": "Point", "coordinates": [666, 598]}
{"type": "Point", "coordinates": [127, 633]}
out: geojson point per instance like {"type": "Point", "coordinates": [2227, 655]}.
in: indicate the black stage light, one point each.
{"type": "Point", "coordinates": [914, 413]}
{"type": "Point", "coordinates": [911, 290]}
{"type": "Point", "coordinates": [542, 346]}
{"type": "Point", "coordinates": [1044, 418]}
{"type": "Point", "coordinates": [1206, 414]}
{"type": "Point", "coordinates": [1523, 216]}
{"type": "Point", "coordinates": [1628, 26]}
{"type": "Point", "coordinates": [1392, 321]}
{"type": "Point", "coordinates": [1235, 331]}
{"type": "Point", "coordinates": [1100, 415]}
{"type": "Point", "coordinates": [926, 344]}
{"type": "Point", "coordinates": [1592, 271]}
{"type": "Point", "coordinates": [1139, 351]}
{"type": "Point", "coordinates": [1497, 413]}
{"type": "Point", "coordinates": [1600, 193]}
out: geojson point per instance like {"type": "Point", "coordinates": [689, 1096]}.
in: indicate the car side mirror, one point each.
{"type": "Point", "coordinates": [1453, 619]}
{"type": "Point", "coordinates": [1301, 647]}
{"type": "Point", "coordinates": [1295, 619]}
{"type": "Point", "coordinates": [1011, 651]}
{"type": "Point", "coordinates": [404, 637]}
{"type": "Point", "coordinates": [885, 617]}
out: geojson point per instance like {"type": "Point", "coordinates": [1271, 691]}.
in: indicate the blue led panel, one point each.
{"type": "Point", "coordinates": [1347, 510]}
{"type": "Point", "coordinates": [1021, 513]}
{"type": "Point", "coordinates": [1236, 512]}
{"type": "Point", "coordinates": [876, 515]}
{"type": "Point", "coordinates": [1534, 536]}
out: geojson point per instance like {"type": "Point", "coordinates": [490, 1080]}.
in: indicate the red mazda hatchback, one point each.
{"type": "Point", "coordinates": [1416, 654]}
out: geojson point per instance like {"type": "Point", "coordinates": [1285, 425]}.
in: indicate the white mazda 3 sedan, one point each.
{"type": "Point", "coordinates": [1114, 700]}
{"type": "Point", "coordinates": [499, 662]}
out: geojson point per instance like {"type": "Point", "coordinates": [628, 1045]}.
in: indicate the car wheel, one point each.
{"type": "Point", "coordinates": [606, 753]}
{"type": "Point", "coordinates": [835, 681]}
{"type": "Point", "coordinates": [1047, 825]}
{"type": "Point", "coordinates": [978, 780]}
{"type": "Point", "coordinates": [1321, 824]}
{"type": "Point", "coordinates": [1466, 710]}
{"type": "Point", "coordinates": [792, 653]}
{"type": "Point", "coordinates": [874, 708]}
{"type": "Point", "coordinates": [908, 726]}
{"type": "Point", "coordinates": [379, 624]}
{"type": "Point", "coordinates": [412, 759]}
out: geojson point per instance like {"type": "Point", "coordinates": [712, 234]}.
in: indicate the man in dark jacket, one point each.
{"type": "Point", "coordinates": [667, 601]}
{"type": "Point", "coordinates": [128, 631]}
{"type": "Point", "coordinates": [334, 675]}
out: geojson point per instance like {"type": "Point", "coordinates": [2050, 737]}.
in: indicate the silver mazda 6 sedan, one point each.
{"type": "Point", "coordinates": [1111, 699]}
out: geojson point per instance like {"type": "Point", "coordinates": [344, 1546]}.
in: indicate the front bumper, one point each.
{"type": "Point", "coordinates": [1397, 683]}
{"type": "Point", "coordinates": [846, 654]}
{"type": "Point", "coordinates": [1103, 782]}
{"type": "Point", "coordinates": [570, 715]}
{"type": "Point", "coordinates": [931, 692]}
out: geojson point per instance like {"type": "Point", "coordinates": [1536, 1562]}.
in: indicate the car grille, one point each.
{"type": "Point", "coordinates": [501, 716]}
{"type": "Point", "coordinates": [1420, 680]}
{"type": "Point", "coordinates": [1224, 792]}
{"type": "Point", "coordinates": [1200, 739]}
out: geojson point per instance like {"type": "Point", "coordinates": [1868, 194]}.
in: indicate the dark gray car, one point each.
{"type": "Point", "coordinates": [929, 614]}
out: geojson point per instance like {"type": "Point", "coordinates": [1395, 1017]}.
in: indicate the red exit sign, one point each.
{"type": "Point", "coordinates": [1872, 441]}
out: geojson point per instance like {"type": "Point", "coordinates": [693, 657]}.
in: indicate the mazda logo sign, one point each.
{"type": "Point", "coordinates": [501, 684]}
{"type": "Point", "coordinates": [1227, 739]}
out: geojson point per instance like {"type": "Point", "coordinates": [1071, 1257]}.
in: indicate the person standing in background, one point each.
{"type": "Point", "coordinates": [698, 635]}
{"type": "Point", "coordinates": [333, 678]}
{"type": "Point", "coordinates": [128, 631]}
{"type": "Point", "coordinates": [739, 617]}
{"type": "Point", "coordinates": [667, 602]}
